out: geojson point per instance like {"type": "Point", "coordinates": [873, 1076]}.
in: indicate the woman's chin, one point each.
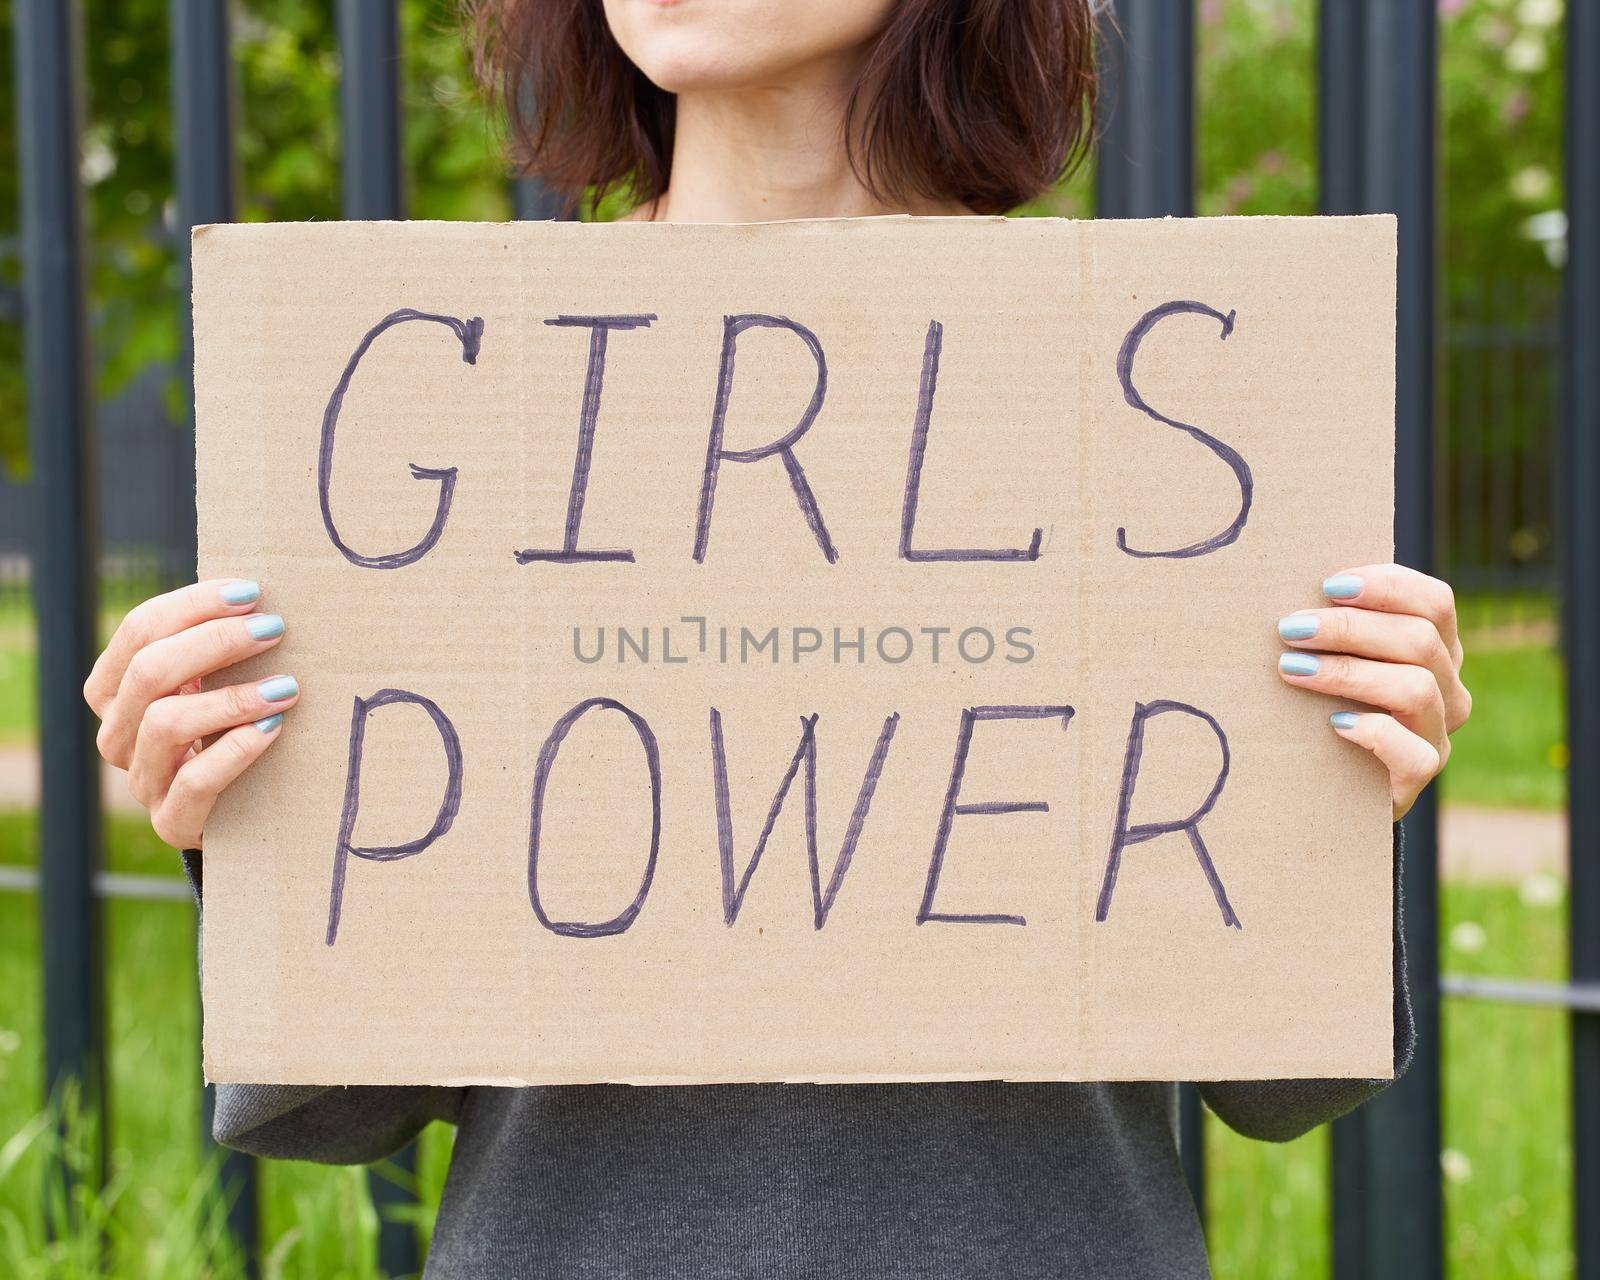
{"type": "Point", "coordinates": [691, 47]}
{"type": "Point", "coordinates": [704, 71]}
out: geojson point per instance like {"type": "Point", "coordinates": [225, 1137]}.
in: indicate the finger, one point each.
{"type": "Point", "coordinates": [1409, 693]}
{"type": "Point", "coordinates": [180, 818]}
{"type": "Point", "coordinates": [159, 617]}
{"type": "Point", "coordinates": [1386, 637]}
{"type": "Point", "coordinates": [172, 725]}
{"type": "Point", "coordinates": [1393, 588]}
{"type": "Point", "coordinates": [164, 666]}
{"type": "Point", "coordinates": [1412, 762]}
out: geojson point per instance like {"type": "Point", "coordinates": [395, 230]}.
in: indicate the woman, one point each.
{"type": "Point", "coordinates": [731, 111]}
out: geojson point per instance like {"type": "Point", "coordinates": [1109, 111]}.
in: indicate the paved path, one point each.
{"type": "Point", "coordinates": [1476, 844]}
{"type": "Point", "coordinates": [1501, 844]}
{"type": "Point", "coordinates": [19, 781]}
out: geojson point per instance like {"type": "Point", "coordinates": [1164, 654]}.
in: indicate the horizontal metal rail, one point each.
{"type": "Point", "coordinates": [106, 884]}
{"type": "Point", "coordinates": [1577, 997]}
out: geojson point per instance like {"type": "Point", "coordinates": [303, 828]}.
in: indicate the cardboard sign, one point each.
{"type": "Point", "coordinates": [831, 651]}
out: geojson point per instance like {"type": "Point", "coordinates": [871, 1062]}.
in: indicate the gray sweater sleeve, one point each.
{"type": "Point", "coordinates": [1278, 1110]}
{"type": "Point", "coordinates": [330, 1124]}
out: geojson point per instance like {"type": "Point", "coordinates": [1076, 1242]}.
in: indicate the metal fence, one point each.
{"type": "Point", "coordinates": [1498, 477]}
{"type": "Point", "coordinates": [1376, 76]}
{"type": "Point", "coordinates": [146, 519]}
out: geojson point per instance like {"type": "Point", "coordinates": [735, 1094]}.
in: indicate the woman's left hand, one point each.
{"type": "Point", "coordinates": [1389, 640]}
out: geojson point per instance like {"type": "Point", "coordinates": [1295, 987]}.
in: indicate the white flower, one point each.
{"type": "Point", "coordinates": [1539, 13]}
{"type": "Point", "coordinates": [1468, 936]}
{"type": "Point", "coordinates": [1526, 53]}
{"type": "Point", "coordinates": [1532, 184]}
{"type": "Point", "coordinates": [98, 161]}
{"type": "Point", "coordinates": [1541, 889]}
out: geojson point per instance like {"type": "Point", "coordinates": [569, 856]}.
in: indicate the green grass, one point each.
{"type": "Point", "coordinates": [19, 712]}
{"type": "Point", "coordinates": [161, 1208]}
{"type": "Point", "coordinates": [1494, 612]}
{"type": "Point", "coordinates": [1506, 1123]}
{"type": "Point", "coordinates": [1512, 752]}
{"type": "Point", "coordinates": [18, 676]}
{"type": "Point", "coordinates": [1267, 1206]}
{"type": "Point", "coordinates": [1507, 1156]}
{"type": "Point", "coordinates": [131, 846]}
{"type": "Point", "coordinates": [1508, 1203]}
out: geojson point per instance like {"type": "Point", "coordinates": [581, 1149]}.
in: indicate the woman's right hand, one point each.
{"type": "Point", "coordinates": [145, 688]}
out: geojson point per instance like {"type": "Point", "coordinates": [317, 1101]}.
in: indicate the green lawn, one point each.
{"type": "Point", "coordinates": [18, 669]}
{"type": "Point", "coordinates": [19, 666]}
{"type": "Point", "coordinates": [1507, 1123]}
{"type": "Point", "coordinates": [1512, 753]}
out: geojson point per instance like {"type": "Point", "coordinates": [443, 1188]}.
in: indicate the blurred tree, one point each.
{"type": "Point", "coordinates": [1500, 82]}
{"type": "Point", "coordinates": [1500, 108]}
{"type": "Point", "coordinates": [1500, 92]}
{"type": "Point", "coordinates": [287, 75]}
{"type": "Point", "coordinates": [1256, 85]}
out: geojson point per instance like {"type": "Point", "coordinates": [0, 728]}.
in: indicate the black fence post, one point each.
{"type": "Point", "coordinates": [1341, 106]}
{"type": "Point", "coordinates": [1144, 165]}
{"type": "Point", "coordinates": [46, 44]}
{"type": "Point", "coordinates": [532, 201]}
{"type": "Point", "coordinates": [1144, 168]}
{"type": "Point", "coordinates": [1376, 135]}
{"type": "Point", "coordinates": [374, 189]}
{"type": "Point", "coordinates": [203, 112]}
{"type": "Point", "coordinates": [369, 106]}
{"type": "Point", "coordinates": [1581, 614]}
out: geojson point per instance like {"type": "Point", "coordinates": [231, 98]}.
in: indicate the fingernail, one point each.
{"type": "Point", "coordinates": [1342, 586]}
{"type": "Point", "coordinates": [1343, 719]}
{"type": "Point", "coordinates": [1299, 626]}
{"type": "Point", "coordinates": [268, 723]}
{"type": "Point", "coordinates": [278, 688]}
{"type": "Point", "coordinates": [1299, 664]}
{"type": "Point", "coordinates": [265, 626]}
{"type": "Point", "coordinates": [241, 592]}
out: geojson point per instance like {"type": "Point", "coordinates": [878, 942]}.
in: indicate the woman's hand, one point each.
{"type": "Point", "coordinates": [146, 690]}
{"type": "Point", "coordinates": [1389, 640]}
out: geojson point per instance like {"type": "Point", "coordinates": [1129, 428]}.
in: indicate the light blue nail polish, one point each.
{"type": "Point", "coordinates": [278, 688]}
{"type": "Point", "coordinates": [1342, 586]}
{"type": "Point", "coordinates": [264, 626]}
{"type": "Point", "coordinates": [1299, 664]}
{"type": "Point", "coordinates": [1343, 719]}
{"type": "Point", "coordinates": [268, 723]}
{"type": "Point", "coordinates": [241, 592]}
{"type": "Point", "coordinates": [1299, 626]}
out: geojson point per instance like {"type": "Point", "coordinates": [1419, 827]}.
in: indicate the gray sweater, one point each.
{"type": "Point", "coordinates": [947, 1180]}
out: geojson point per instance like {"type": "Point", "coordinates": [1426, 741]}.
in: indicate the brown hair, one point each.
{"type": "Point", "coordinates": [985, 102]}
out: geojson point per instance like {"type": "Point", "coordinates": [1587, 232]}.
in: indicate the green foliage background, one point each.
{"type": "Point", "coordinates": [288, 154]}
{"type": "Point", "coordinates": [1500, 94]}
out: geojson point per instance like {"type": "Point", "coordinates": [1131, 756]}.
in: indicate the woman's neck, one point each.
{"type": "Point", "coordinates": [764, 154]}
